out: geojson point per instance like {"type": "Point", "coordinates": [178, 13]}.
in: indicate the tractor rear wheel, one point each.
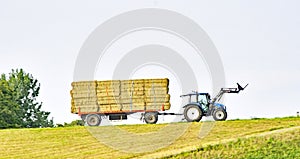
{"type": "Point", "coordinates": [93, 120]}
{"type": "Point", "coordinates": [192, 113]}
{"type": "Point", "coordinates": [220, 115]}
{"type": "Point", "coordinates": [151, 117]}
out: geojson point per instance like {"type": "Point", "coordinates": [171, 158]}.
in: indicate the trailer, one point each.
{"type": "Point", "coordinates": [116, 99]}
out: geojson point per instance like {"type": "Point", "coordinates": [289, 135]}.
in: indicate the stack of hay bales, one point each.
{"type": "Point", "coordinates": [84, 95]}
{"type": "Point", "coordinates": [120, 96]}
{"type": "Point", "coordinates": [108, 93]}
{"type": "Point", "coordinates": [156, 93]}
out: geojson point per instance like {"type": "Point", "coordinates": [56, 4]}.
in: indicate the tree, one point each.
{"type": "Point", "coordinates": [9, 109]}
{"type": "Point", "coordinates": [18, 102]}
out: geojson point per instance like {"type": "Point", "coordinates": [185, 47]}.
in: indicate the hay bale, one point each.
{"type": "Point", "coordinates": [108, 94]}
{"type": "Point", "coordinates": [157, 99]}
{"type": "Point", "coordinates": [158, 106]}
{"type": "Point", "coordinates": [157, 80]}
{"type": "Point", "coordinates": [128, 94]}
{"type": "Point", "coordinates": [131, 88]}
{"type": "Point", "coordinates": [84, 100]}
{"type": "Point", "coordinates": [82, 91]}
{"type": "Point", "coordinates": [84, 86]}
{"type": "Point", "coordinates": [85, 108]}
{"type": "Point", "coordinates": [108, 100]}
{"type": "Point", "coordinates": [130, 82]}
{"type": "Point", "coordinates": [84, 95]}
{"type": "Point", "coordinates": [108, 82]}
{"type": "Point", "coordinates": [133, 106]}
{"type": "Point", "coordinates": [156, 91]}
{"type": "Point", "coordinates": [132, 100]}
{"type": "Point", "coordinates": [108, 90]}
{"type": "Point", "coordinates": [83, 83]}
{"type": "Point", "coordinates": [108, 86]}
{"type": "Point", "coordinates": [109, 107]}
{"type": "Point", "coordinates": [122, 107]}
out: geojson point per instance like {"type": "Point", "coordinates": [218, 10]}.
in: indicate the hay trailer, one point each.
{"type": "Point", "coordinates": [116, 99]}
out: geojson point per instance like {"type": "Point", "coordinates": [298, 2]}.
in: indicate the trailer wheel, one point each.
{"type": "Point", "coordinates": [151, 117]}
{"type": "Point", "coordinates": [93, 120]}
{"type": "Point", "coordinates": [192, 113]}
{"type": "Point", "coordinates": [220, 115]}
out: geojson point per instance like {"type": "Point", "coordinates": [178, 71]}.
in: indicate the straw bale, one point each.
{"type": "Point", "coordinates": [134, 88]}
{"type": "Point", "coordinates": [83, 83]}
{"type": "Point", "coordinates": [108, 90]}
{"type": "Point", "coordinates": [84, 101]}
{"type": "Point", "coordinates": [133, 106]}
{"type": "Point", "coordinates": [108, 100]}
{"type": "Point", "coordinates": [80, 91]}
{"type": "Point", "coordinates": [129, 82]}
{"type": "Point", "coordinates": [132, 100]}
{"type": "Point", "coordinates": [108, 87]}
{"type": "Point", "coordinates": [130, 85]}
{"type": "Point", "coordinates": [84, 95]}
{"type": "Point", "coordinates": [156, 80]}
{"type": "Point", "coordinates": [155, 99]}
{"type": "Point", "coordinates": [150, 85]}
{"type": "Point", "coordinates": [84, 89]}
{"type": "Point", "coordinates": [159, 92]}
{"type": "Point", "coordinates": [109, 82]}
{"type": "Point", "coordinates": [108, 94]}
{"type": "Point", "coordinates": [131, 94]}
{"type": "Point", "coordinates": [122, 107]}
{"type": "Point", "coordinates": [157, 106]}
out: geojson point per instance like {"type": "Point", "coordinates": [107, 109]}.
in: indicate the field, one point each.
{"type": "Point", "coordinates": [279, 145]}
{"type": "Point", "coordinates": [228, 139]}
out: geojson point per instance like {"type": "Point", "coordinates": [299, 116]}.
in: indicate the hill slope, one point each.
{"type": "Point", "coordinates": [78, 142]}
{"type": "Point", "coordinates": [282, 144]}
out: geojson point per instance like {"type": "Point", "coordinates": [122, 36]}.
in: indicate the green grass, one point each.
{"type": "Point", "coordinates": [77, 142]}
{"type": "Point", "coordinates": [282, 145]}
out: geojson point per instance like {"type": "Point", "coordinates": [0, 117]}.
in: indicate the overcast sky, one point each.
{"type": "Point", "coordinates": [258, 42]}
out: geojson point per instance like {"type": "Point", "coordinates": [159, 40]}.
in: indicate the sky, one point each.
{"type": "Point", "coordinates": [258, 42]}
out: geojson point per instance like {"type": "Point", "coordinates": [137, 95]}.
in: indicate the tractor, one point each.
{"type": "Point", "coordinates": [201, 104]}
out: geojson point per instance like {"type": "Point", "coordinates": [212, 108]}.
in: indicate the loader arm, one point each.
{"type": "Point", "coordinates": [223, 91]}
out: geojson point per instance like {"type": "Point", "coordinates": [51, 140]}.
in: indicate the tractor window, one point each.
{"type": "Point", "coordinates": [193, 98]}
{"type": "Point", "coordinates": [202, 99]}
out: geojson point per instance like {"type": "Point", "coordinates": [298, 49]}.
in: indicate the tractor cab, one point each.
{"type": "Point", "coordinates": [204, 100]}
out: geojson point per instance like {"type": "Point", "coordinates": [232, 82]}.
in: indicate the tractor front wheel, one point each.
{"type": "Point", "coordinates": [192, 113]}
{"type": "Point", "coordinates": [220, 115]}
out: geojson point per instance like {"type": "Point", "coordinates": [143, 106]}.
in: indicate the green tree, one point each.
{"type": "Point", "coordinates": [18, 102]}
{"type": "Point", "coordinates": [9, 109]}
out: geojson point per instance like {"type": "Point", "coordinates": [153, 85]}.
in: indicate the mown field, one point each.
{"type": "Point", "coordinates": [143, 141]}
{"type": "Point", "coordinates": [278, 145]}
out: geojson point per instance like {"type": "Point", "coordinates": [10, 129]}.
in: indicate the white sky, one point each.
{"type": "Point", "coordinates": [258, 41]}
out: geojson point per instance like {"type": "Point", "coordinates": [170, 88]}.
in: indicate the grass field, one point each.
{"type": "Point", "coordinates": [280, 145]}
{"type": "Point", "coordinates": [78, 142]}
